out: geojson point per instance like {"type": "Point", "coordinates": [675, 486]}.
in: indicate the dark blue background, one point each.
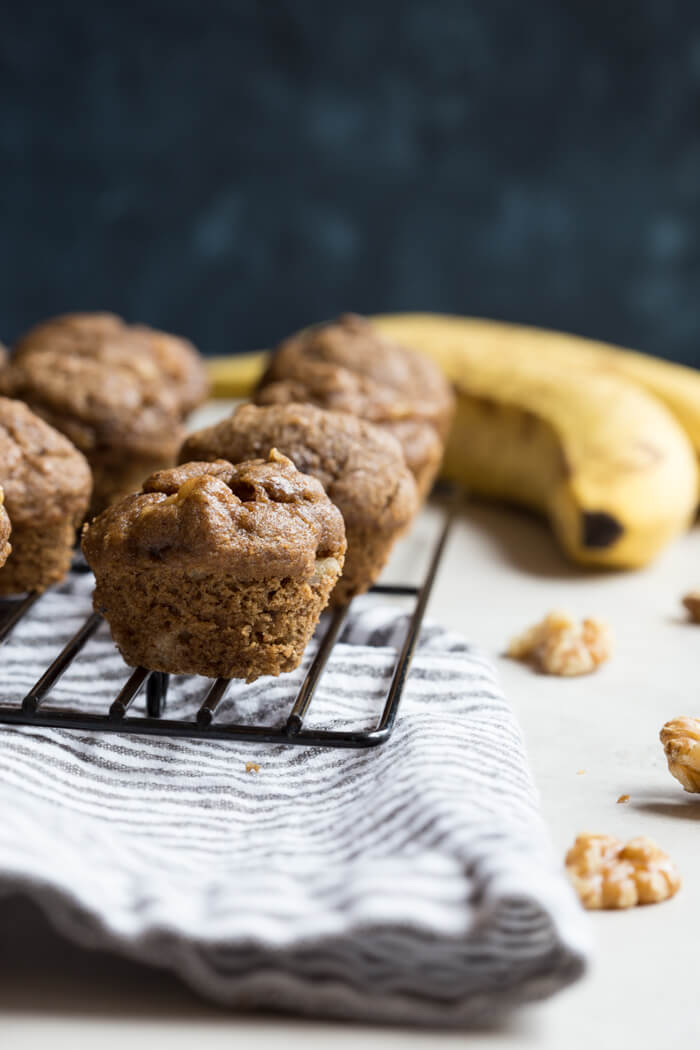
{"type": "Point", "coordinates": [235, 170]}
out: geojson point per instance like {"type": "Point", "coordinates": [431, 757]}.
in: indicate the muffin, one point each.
{"type": "Point", "coordinates": [360, 466]}
{"type": "Point", "coordinates": [348, 366]}
{"type": "Point", "coordinates": [177, 359]}
{"type": "Point", "coordinates": [47, 484]}
{"type": "Point", "coordinates": [217, 570]}
{"type": "Point", "coordinates": [337, 389]}
{"type": "Point", "coordinates": [5, 530]}
{"type": "Point", "coordinates": [119, 392]}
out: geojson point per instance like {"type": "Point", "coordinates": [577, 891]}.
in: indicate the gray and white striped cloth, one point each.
{"type": "Point", "coordinates": [411, 883]}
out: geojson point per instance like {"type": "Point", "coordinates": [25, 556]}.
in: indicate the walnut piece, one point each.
{"type": "Point", "coordinates": [692, 604]}
{"type": "Point", "coordinates": [606, 873]}
{"type": "Point", "coordinates": [681, 742]}
{"type": "Point", "coordinates": [558, 645]}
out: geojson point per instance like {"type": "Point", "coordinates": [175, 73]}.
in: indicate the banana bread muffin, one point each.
{"type": "Point", "coordinates": [179, 362]}
{"type": "Point", "coordinates": [216, 569]}
{"type": "Point", "coordinates": [361, 467]}
{"type": "Point", "coordinates": [348, 366]}
{"type": "Point", "coordinates": [335, 388]}
{"type": "Point", "coordinates": [5, 530]}
{"type": "Point", "coordinates": [119, 392]}
{"type": "Point", "coordinates": [47, 490]}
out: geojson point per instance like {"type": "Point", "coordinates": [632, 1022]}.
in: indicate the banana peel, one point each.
{"type": "Point", "coordinates": [555, 423]}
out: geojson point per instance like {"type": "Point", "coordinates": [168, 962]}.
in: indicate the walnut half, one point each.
{"type": "Point", "coordinates": [681, 741]}
{"type": "Point", "coordinates": [558, 645]}
{"type": "Point", "coordinates": [606, 873]}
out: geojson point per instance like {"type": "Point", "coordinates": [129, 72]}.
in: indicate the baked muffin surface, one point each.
{"type": "Point", "coordinates": [338, 390]}
{"type": "Point", "coordinates": [47, 484]}
{"type": "Point", "coordinates": [418, 388]}
{"type": "Point", "coordinates": [360, 466]}
{"type": "Point", "coordinates": [118, 391]}
{"type": "Point", "coordinates": [100, 334]}
{"type": "Point", "coordinates": [216, 569]}
{"type": "Point", "coordinates": [253, 520]}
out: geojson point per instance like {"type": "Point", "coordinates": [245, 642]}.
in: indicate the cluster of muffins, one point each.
{"type": "Point", "coordinates": [222, 565]}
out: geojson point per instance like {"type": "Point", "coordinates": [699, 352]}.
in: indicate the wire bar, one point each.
{"type": "Point", "coordinates": [129, 692]}
{"type": "Point", "coordinates": [308, 686]}
{"type": "Point", "coordinates": [60, 665]}
{"type": "Point", "coordinates": [205, 715]}
{"type": "Point", "coordinates": [16, 614]}
{"type": "Point", "coordinates": [156, 693]}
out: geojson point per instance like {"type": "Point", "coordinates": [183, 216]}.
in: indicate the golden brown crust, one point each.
{"type": "Point", "coordinates": [216, 569]}
{"type": "Point", "coordinates": [338, 390]}
{"type": "Point", "coordinates": [47, 486]}
{"type": "Point", "coordinates": [349, 367]}
{"type": "Point", "coordinates": [118, 391]}
{"type": "Point", "coordinates": [45, 479]}
{"type": "Point", "coordinates": [418, 388]}
{"type": "Point", "coordinates": [360, 466]}
{"type": "Point", "coordinates": [92, 334]}
{"type": "Point", "coordinates": [256, 520]}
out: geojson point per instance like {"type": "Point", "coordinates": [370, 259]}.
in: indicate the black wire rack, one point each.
{"type": "Point", "coordinates": [117, 719]}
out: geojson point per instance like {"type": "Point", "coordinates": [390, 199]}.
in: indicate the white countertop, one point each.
{"type": "Point", "coordinates": [501, 572]}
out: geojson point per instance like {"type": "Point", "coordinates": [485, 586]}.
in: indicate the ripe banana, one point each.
{"type": "Point", "coordinates": [554, 422]}
{"type": "Point", "coordinates": [551, 424]}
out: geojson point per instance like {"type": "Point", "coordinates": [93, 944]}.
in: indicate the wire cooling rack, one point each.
{"type": "Point", "coordinates": [118, 720]}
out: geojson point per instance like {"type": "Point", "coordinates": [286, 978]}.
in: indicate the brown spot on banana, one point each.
{"type": "Point", "coordinates": [599, 529]}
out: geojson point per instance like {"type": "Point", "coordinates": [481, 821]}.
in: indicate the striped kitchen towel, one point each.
{"type": "Point", "coordinates": [411, 883]}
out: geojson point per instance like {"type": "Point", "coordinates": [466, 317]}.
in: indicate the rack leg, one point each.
{"type": "Point", "coordinates": [156, 693]}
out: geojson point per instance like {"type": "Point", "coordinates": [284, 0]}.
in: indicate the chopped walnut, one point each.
{"type": "Point", "coordinates": [681, 741]}
{"type": "Point", "coordinates": [692, 604]}
{"type": "Point", "coordinates": [606, 873]}
{"type": "Point", "coordinates": [558, 645]}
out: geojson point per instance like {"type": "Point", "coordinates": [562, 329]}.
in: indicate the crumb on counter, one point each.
{"type": "Point", "coordinates": [252, 767]}
{"type": "Point", "coordinates": [558, 645]}
{"type": "Point", "coordinates": [580, 772]}
{"type": "Point", "coordinates": [692, 604]}
{"type": "Point", "coordinates": [607, 873]}
{"type": "Point", "coordinates": [623, 798]}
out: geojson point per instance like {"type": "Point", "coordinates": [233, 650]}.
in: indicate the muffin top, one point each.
{"type": "Point", "coordinates": [352, 343]}
{"type": "Point", "coordinates": [5, 530]}
{"type": "Point", "coordinates": [361, 466]}
{"type": "Point", "coordinates": [110, 398]}
{"type": "Point", "coordinates": [45, 479]}
{"type": "Point", "coordinates": [97, 335]}
{"type": "Point", "coordinates": [261, 519]}
{"type": "Point", "coordinates": [330, 387]}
